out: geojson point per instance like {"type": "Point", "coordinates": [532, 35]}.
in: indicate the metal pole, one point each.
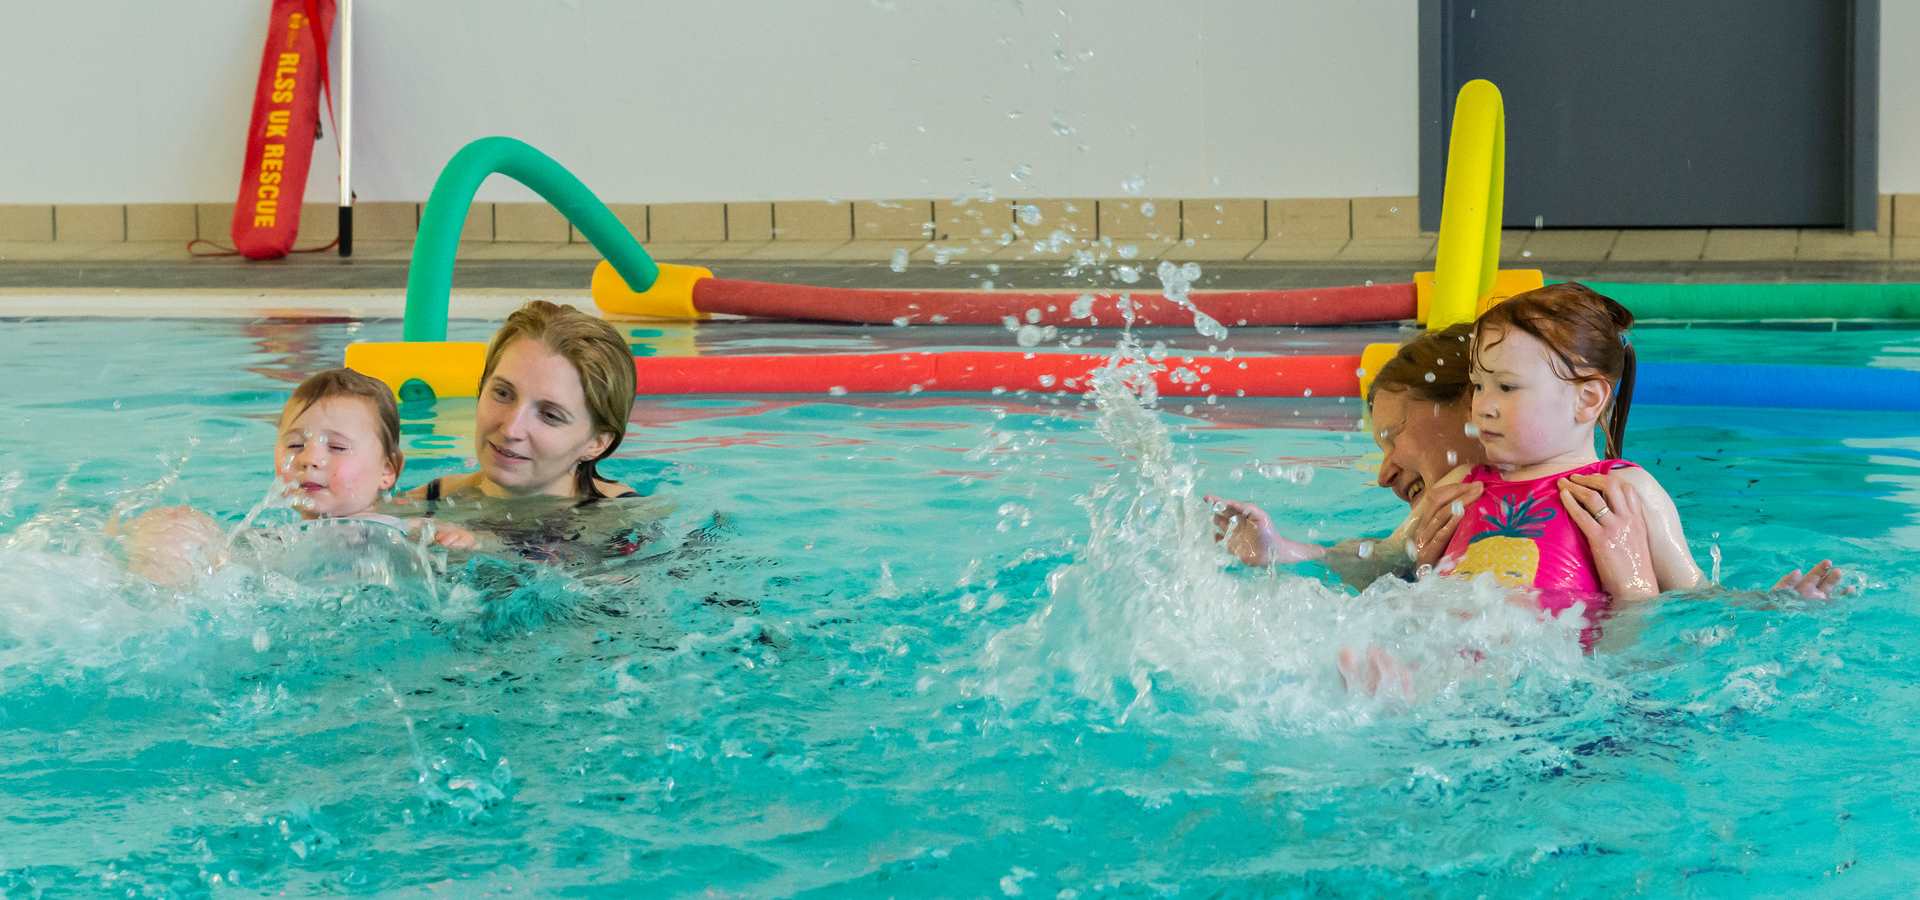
{"type": "Point", "coordinates": [346, 128]}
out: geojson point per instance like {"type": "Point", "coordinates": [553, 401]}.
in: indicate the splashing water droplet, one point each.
{"type": "Point", "coordinates": [1148, 209]}
{"type": "Point", "coordinates": [1428, 377]}
{"type": "Point", "coordinates": [1471, 430]}
{"type": "Point", "coordinates": [837, 391]}
{"type": "Point", "coordinates": [899, 261]}
{"type": "Point", "coordinates": [1021, 173]}
{"type": "Point", "coordinates": [1029, 214]}
{"type": "Point", "coordinates": [1133, 185]}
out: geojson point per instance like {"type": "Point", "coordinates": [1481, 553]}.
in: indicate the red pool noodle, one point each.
{"type": "Point", "coordinates": [1300, 306]}
{"type": "Point", "coordinates": [981, 371]}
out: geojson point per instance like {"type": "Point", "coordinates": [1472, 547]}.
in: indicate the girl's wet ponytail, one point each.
{"type": "Point", "coordinates": [1623, 386]}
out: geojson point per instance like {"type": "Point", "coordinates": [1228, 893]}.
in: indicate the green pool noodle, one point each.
{"type": "Point", "coordinates": [430, 278]}
{"type": "Point", "coordinates": [1798, 300]}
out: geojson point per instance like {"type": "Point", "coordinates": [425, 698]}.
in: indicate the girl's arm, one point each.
{"type": "Point", "coordinates": [1673, 561]}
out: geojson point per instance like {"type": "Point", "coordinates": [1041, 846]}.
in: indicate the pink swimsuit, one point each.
{"type": "Point", "coordinates": [1519, 532]}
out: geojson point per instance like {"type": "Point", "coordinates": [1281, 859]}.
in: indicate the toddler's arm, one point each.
{"type": "Point", "coordinates": [172, 546]}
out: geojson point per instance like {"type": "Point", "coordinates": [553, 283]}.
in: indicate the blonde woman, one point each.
{"type": "Point", "coordinates": [554, 398]}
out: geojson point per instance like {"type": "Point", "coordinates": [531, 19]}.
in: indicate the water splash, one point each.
{"type": "Point", "coordinates": [1148, 621]}
{"type": "Point", "coordinates": [1177, 285]}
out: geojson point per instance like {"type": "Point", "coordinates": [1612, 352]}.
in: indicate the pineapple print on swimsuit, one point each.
{"type": "Point", "coordinates": [1508, 549]}
{"type": "Point", "coordinates": [1518, 533]}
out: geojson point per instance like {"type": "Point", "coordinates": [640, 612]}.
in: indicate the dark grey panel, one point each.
{"type": "Point", "coordinates": [1636, 113]}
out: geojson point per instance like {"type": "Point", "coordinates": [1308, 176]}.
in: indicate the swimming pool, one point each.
{"type": "Point", "coordinates": [936, 645]}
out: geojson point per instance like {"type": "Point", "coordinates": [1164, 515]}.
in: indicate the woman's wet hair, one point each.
{"type": "Point", "coordinates": [1586, 334]}
{"type": "Point", "coordinates": [601, 358]}
{"type": "Point", "coordinates": [1431, 367]}
{"type": "Point", "coordinates": [348, 383]}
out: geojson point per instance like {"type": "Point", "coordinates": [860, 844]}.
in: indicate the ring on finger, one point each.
{"type": "Point", "coordinates": [1601, 513]}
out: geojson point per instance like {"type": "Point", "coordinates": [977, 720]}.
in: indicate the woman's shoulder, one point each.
{"type": "Point", "coordinates": [613, 490]}
{"type": "Point", "coordinates": [440, 487]}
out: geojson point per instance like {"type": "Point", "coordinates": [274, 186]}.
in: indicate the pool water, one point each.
{"type": "Point", "coordinates": [937, 645]}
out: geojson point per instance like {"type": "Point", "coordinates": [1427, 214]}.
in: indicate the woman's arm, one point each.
{"type": "Point", "coordinates": [1609, 515]}
{"type": "Point", "coordinates": [1419, 541]}
{"type": "Point", "coordinates": [1624, 545]}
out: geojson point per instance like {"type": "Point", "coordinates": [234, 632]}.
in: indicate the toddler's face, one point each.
{"type": "Point", "coordinates": [330, 459]}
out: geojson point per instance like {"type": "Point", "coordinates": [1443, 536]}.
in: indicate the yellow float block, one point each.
{"type": "Point", "coordinates": [448, 368]}
{"type": "Point", "coordinates": [1506, 283]}
{"type": "Point", "coordinates": [671, 296]}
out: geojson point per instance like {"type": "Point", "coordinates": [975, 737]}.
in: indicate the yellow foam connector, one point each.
{"type": "Point", "coordinates": [671, 296]}
{"type": "Point", "coordinates": [1506, 283]}
{"type": "Point", "coordinates": [448, 368]}
{"type": "Point", "coordinates": [1371, 359]}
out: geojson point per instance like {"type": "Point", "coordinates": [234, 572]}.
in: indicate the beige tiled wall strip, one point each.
{"type": "Point", "coordinates": [1218, 228]}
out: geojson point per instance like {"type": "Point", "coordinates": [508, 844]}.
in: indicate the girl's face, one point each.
{"type": "Point", "coordinates": [330, 458]}
{"type": "Point", "coordinates": [1526, 413]}
{"type": "Point", "coordinates": [532, 428]}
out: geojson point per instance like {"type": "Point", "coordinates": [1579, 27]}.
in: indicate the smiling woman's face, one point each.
{"type": "Point", "coordinates": [1422, 441]}
{"type": "Point", "coordinates": [532, 427]}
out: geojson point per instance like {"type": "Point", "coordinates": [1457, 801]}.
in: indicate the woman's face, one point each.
{"type": "Point", "coordinates": [1422, 441]}
{"type": "Point", "coordinates": [531, 427]}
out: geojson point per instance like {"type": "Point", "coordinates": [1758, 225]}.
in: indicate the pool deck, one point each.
{"type": "Point", "coordinates": [149, 278]}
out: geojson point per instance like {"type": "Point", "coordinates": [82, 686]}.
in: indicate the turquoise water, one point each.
{"type": "Point", "coordinates": [935, 645]}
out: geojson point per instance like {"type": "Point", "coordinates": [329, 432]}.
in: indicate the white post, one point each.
{"type": "Point", "coordinates": [345, 135]}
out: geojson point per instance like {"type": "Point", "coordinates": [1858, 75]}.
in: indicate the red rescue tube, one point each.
{"type": "Point", "coordinates": [266, 215]}
{"type": "Point", "coordinates": [1299, 306]}
{"type": "Point", "coordinates": [982, 371]}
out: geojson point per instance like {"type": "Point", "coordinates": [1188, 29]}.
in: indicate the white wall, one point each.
{"type": "Point", "coordinates": [755, 99]}
{"type": "Point", "coordinates": [655, 101]}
